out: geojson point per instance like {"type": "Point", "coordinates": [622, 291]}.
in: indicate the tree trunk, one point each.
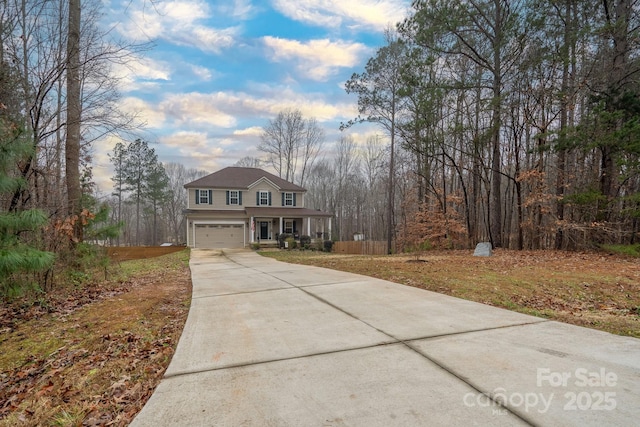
{"type": "Point", "coordinates": [496, 168]}
{"type": "Point", "coordinates": [74, 111]}
{"type": "Point", "coordinates": [496, 163]}
{"type": "Point", "coordinates": [564, 117]}
{"type": "Point", "coordinates": [391, 194]}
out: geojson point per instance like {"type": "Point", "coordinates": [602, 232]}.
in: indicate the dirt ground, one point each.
{"type": "Point", "coordinates": [125, 253]}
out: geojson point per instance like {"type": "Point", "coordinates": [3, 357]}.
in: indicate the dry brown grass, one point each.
{"type": "Point", "coordinates": [98, 361]}
{"type": "Point", "coordinates": [596, 290]}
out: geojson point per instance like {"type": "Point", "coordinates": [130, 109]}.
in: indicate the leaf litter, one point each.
{"type": "Point", "coordinates": [94, 356]}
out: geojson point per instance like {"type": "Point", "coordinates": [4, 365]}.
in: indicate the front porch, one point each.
{"type": "Point", "coordinates": [275, 243]}
{"type": "Point", "coordinates": [266, 225]}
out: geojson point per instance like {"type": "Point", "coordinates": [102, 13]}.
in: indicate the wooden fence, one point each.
{"type": "Point", "coordinates": [362, 247]}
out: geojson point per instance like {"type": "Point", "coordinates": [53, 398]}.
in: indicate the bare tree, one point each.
{"type": "Point", "coordinates": [249, 162]}
{"type": "Point", "coordinates": [281, 140]}
{"type": "Point", "coordinates": [312, 142]}
{"type": "Point", "coordinates": [289, 139]}
{"type": "Point", "coordinates": [176, 203]}
{"type": "Point", "coordinates": [374, 158]}
{"type": "Point", "coordinates": [346, 174]}
{"type": "Point", "coordinates": [320, 186]}
{"type": "Point", "coordinates": [74, 107]}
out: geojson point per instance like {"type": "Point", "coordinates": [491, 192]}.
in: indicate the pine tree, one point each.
{"type": "Point", "coordinates": [140, 176]}
{"type": "Point", "coordinates": [139, 160]}
{"type": "Point", "coordinates": [16, 254]}
{"type": "Point", "coordinates": [117, 158]}
{"type": "Point", "coordinates": [157, 194]}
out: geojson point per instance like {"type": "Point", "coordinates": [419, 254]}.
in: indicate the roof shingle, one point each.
{"type": "Point", "coordinates": [241, 178]}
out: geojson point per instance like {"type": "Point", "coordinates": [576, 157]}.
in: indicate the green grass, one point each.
{"type": "Point", "coordinates": [35, 346]}
{"type": "Point", "coordinates": [629, 250]}
{"type": "Point", "coordinates": [141, 266]}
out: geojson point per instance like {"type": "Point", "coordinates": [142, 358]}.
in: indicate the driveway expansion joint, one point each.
{"type": "Point", "coordinates": [280, 359]}
{"type": "Point", "coordinates": [436, 362]}
{"type": "Point", "coordinates": [449, 349]}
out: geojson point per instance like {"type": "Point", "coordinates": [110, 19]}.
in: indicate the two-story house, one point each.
{"type": "Point", "coordinates": [237, 206]}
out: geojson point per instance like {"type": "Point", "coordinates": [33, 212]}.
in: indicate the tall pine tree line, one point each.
{"type": "Point", "coordinates": [141, 181]}
{"type": "Point", "coordinates": [518, 120]}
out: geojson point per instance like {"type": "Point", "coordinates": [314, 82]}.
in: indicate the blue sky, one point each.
{"type": "Point", "coordinates": [219, 70]}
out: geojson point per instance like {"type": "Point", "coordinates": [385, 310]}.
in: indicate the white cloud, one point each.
{"type": "Point", "coordinates": [207, 39]}
{"type": "Point", "coordinates": [202, 73]}
{"type": "Point", "coordinates": [148, 68]}
{"type": "Point", "coordinates": [371, 14]}
{"type": "Point", "coordinates": [316, 59]}
{"type": "Point", "coordinates": [266, 101]}
{"type": "Point", "coordinates": [185, 141]}
{"type": "Point", "coordinates": [193, 149]}
{"type": "Point", "coordinates": [239, 9]}
{"type": "Point", "coordinates": [252, 131]}
{"type": "Point", "coordinates": [178, 22]}
{"type": "Point", "coordinates": [209, 160]}
{"type": "Point", "coordinates": [203, 111]}
{"type": "Point", "coordinates": [140, 73]}
{"type": "Point", "coordinates": [145, 111]}
{"type": "Point", "coordinates": [196, 109]}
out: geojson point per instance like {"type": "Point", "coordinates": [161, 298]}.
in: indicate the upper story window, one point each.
{"type": "Point", "coordinates": [288, 199]}
{"type": "Point", "coordinates": [264, 198]}
{"type": "Point", "coordinates": [234, 197]}
{"type": "Point", "coordinates": [204, 197]}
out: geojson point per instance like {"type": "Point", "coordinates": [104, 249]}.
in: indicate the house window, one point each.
{"type": "Point", "coordinates": [264, 198]}
{"type": "Point", "coordinates": [234, 197]}
{"type": "Point", "coordinates": [288, 199]}
{"type": "Point", "coordinates": [203, 197]}
{"type": "Point", "coordinates": [288, 226]}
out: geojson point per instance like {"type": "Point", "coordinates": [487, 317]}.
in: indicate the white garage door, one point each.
{"type": "Point", "coordinates": [217, 236]}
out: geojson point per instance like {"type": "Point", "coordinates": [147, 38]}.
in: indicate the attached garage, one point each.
{"type": "Point", "coordinates": [218, 236]}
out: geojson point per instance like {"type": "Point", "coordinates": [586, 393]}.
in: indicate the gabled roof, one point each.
{"type": "Point", "coordinates": [241, 178]}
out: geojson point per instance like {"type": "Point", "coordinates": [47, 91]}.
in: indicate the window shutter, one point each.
{"type": "Point", "coordinates": [227, 197]}
{"type": "Point", "coordinates": [282, 199]}
{"type": "Point", "coordinates": [295, 230]}
{"type": "Point", "coordinates": [294, 199]}
{"type": "Point", "coordinates": [210, 197]}
{"type": "Point", "coordinates": [197, 197]}
{"type": "Point", "coordinates": [240, 198]}
{"type": "Point", "coordinates": [269, 198]}
{"type": "Point", "coordinates": [257, 198]}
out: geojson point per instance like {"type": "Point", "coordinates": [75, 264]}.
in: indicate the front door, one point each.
{"type": "Point", "coordinates": [264, 230]}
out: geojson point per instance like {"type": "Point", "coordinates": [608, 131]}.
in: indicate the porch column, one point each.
{"type": "Point", "coordinates": [281, 231]}
{"type": "Point", "coordinates": [309, 226]}
{"type": "Point", "coordinates": [329, 228]}
{"type": "Point", "coordinates": [252, 226]}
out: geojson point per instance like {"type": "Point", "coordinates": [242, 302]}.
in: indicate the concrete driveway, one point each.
{"type": "Point", "coordinates": [274, 344]}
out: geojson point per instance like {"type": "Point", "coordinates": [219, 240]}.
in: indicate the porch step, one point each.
{"type": "Point", "coordinates": [268, 243]}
